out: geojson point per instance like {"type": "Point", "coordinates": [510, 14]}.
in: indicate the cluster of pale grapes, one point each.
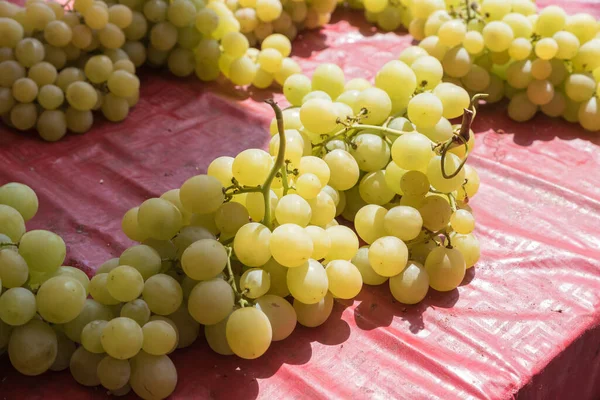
{"type": "Point", "coordinates": [58, 66]}
{"type": "Point", "coordinates": [544, 61]}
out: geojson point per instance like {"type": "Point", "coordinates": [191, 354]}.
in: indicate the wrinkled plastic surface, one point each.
{"type": "Point", "coordinates": [524, 324]}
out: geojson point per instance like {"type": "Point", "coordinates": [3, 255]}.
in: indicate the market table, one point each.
{"type": "Point", "coordinates": [525, 323]}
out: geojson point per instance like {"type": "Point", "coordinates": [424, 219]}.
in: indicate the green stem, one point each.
{"type": "Point", "coordinates": [9, 245]}
{"type": "Point", "coordinates": [468, 7]}
{"type": "Point", "coordinates": [279, 163]}
{"type": "Point", "coordinates": [284, 180]}
{"type": "Point", "coordinates": [385, 130]}
{"type": "Point", "coordinates": [231, 279]}
{"type": "Point", "coordinates": [452, 201]}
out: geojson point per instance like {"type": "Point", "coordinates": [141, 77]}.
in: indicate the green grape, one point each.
{"type": "Point", "coordinates": [478, 79]}
{"type": "Point", "coordinates": [315, 94]}
{"type": "Point", "coordinates": [17, 306]}
{"type": "Point", "coordinates": [113, 373]}
{"type": "Point", "coordinates": [411, 285]}
{"type": "Point", "coordinates": [541, 69]}
{"type": "Point", "coordinates": [520, 49]}
{"type": "Point", "coordinates": [567, 45]}
{"type": "Point", "coordinates": [403, 222]}
{"type": "Point", "coordinates": [270, 60]}
{"type": "Point", "coordinates": [163, 36]}
{"type": "Point", "coordinates": [451, 165]}
{"type": "Point", "coordinates": [156, 11]}
{"type": "Point", "coordinates": [377, 103]}
{"type": "Point", "coordinates": [374, 190]}
{"type": "Point", "coordinates": [582, 25]}
{"type": "Point", "coordinates": [43, 73]}
{"type": "Point", "coordinates": [316, 166]}
{"type": "Point", "coordinates": [122, 338]}
{"type": "Point", "coordinates": [393, 175]}
{"type": "Point", "coordinates": [204, 259]}
{"type": "Point", "coordinates": [457, 62]}
{"type": "Point", "coordinates": [20, 197]}
{"type": "Point", "coordinates": [143, 258]}
{"type": "Point", "coordinates": [255, 282]}
{"type": "Point", "coordinates": [249, 332]}
{"type": "Point", "coordinates": [368, 274]}
{"type": "Point", "coordinates": [308, 283]}
{"type": "Point", "coordinates": [247, 19]}
{"type": "Point", "coordinates": [7, 101]}
{"type": "Point", "coordinates": [345, 280]}
{"type": "Point", "coordinates": [497, 36]}
{"type": "Point", "coordinates": [412, 152]}
{"type": "Point", "coordinates": [82, 36]}
{"type": "Point", "coordinates": [540, 92]}
{"type": "Point", "coordinates": [99, 291]}
{"type": "Point", "coordinates": [368, 222]}
{"type": "Point", "coordinates": [414, 183]}
{"type": "Point", "coordinates": [84, 365]}
{"type": "Point", "coordinates": [281, 315]}
{"type": "Point", "coordinates": [81, 96]}
{"type": "Point", "coordinates": [52, 125]}
{"type": "Point", "coordinates": [189, 235]}
{"type": "Point", "coordinates": [556, 106]}
{"type": "Point", "coordinates": [546, 48]}
{"type": "Point", "coordinates": [58, 33]}
{"type": "Point", "coordinates": [211, 301]}
{"type": "Point", "coordinates": [251, 244]}
{"type": "Point", "coordinates": [388, 256]}
{"type": "Point", "coordinates": [268, 10]}
{"type": "Point", "coordinates": [296, 87]}
{"type": "Point", "coordinates": [436, 213]}
{"type": "Point", "coordinates": [74, 273]}
{"type": "Point", "coordinates": [207, 21]}
{"type": "Point", "coordinates": [96, 16]}
{"type": "Point", "coordinates": [11, 32]}
{"type": "Point", "coordinates": [60, 299]}
{"type": "Point", "coordinates": [91, 311]}
{"type": "Point", "coordinates": [130, 225]}
{"type": "Point", "coordinates": [293, 209]}
{"type": "Point", "coordinates": [318, 115]}
{"type": "Point", "coordinates": [65, 349]}
{"type": "Point", "coordinates": [13, 268]}
{"type": "Point", "coordinates": [202, 194]}
{"type": "Point", "coordinates": [32, 348]}
{"type": "Point", "coordinates": [10, 72]}
{"type": "Point", "coordinates": [308, 186]}
{"type": "Point", "coordinates": [425, 110]}
{"type": "Point", "coordinates": [43, 251]}
{"type": "Point", "coordinates": [91, 334]}
{"type": "Point", "coordinates": [321, 244]}
{"type": "Point", "coordinates": [216, 337]}
{"type": "Point", "coordinates": [138, 28]}
{"type": "Point", "coordinates": [550, 20]}
{"type": "Point", "coordinates": [98, 68]}
{"type": "Point", "coordinates": [468, 245]}
{"type": "Point", "coordinates": [344, 243]}
{"type": "Point", "coordinates": [159, 338]}
{"type": "Point", "coordinates": [344, 170]}
{"type": "Point", "coordinates": [520, 108]}
{"type": "Point", "coordinates": [520, 25]}
{"type": "Point", "coordinates": [159, 218]}
{"type": "Point", "coordinates": [589, 114]}
{"type": "Point", "coordinates": [428, 71]}
{"type": "Point", "coordinates": [315, 314]}
{"type": "Point", "coordinates": [125, 283]}
{"type": "Point", "coordinates": [251, 167]}
{"type": "Point", "coordinates": [290, 245]}
{"type": "Point", "coordinates": [163, 294]}
{"type": "Point", "coordinates": [445, 268]}
{"type": "Point", "coordinates": [120, 15]}
{"type": "Point", "coordinates": [462, 222]}
{"type": "Point", "coordinates": [580, 87]}
{"type": "Point", "coordinates": [329, 78]}
{"type": "Point", "coordinates": [107, 266]}
{"type": "Point", "coordinates": [137, 310]}
{"type": "Point", "coordinates": [454, 99]}
{"type": "Point", "coordinates": [322, 209]}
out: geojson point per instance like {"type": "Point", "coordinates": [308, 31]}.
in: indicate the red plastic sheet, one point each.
{"type": "Point", "coordinates": [524, 324]}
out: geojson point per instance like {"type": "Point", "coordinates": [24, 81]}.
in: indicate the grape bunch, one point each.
{"type": "Point", "coordinates": [57, 66]}
{"type": "Point", "coordinates": [547, 61]}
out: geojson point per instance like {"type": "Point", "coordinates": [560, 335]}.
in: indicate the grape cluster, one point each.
{"type": "Point", "coordinates": [58, 66]}
{"type": "Point", "coordinates": [547, 61]}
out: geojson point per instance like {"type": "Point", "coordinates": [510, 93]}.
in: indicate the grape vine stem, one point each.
{"type": "Point", "coordinates": [279, 165]}
{"type": "Point", "coordinates": [8, 245]}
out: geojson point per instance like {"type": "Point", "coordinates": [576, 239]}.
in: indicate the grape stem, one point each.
{"type": "Point", "coordinates": [284, 180]}
{"type": "Point", "coordinates": [9, 245]}
{"type": "Point", "coordinates": [277, 167]}
{"type": "Point", "coordinates": [231, 280]}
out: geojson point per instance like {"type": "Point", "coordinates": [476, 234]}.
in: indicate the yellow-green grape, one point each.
{"type": "Point", "coordinates": [68, 76]}
{"type": "Point", "coordinates": [308, 283]}
{"type": "Point", "coordinates": [468, 245]}
{"type": "Point", "coordinates": [546, 48]}
{"type": "Point", "coordinates": [120, 15]}
{"type": "Point", "coordinates": [268, 10]}
{"type": "Point", "coordinates": [270, 60]}
{"type": "Point", "coordinates": [113, 373]}
{"type": "Point", "coordinates": [518, 74]}
{"type": "Point", "coordinates": [452, 33]}
{"type": "Point", "coordinates": [582, 25]}
{"type": "Point", "coordinates": [203, 194]}
{"type": "Point", "coordinates": [131, 227]}
{"type": "Point", "coordinates": [39, 14]}
{"type": "Point", "coordinates": [216, 338]}
{"type": "Point", "coordinates": [316, 94]}
{"type": "Point", "coordinates": [411, 285]}
{"type": "Point", "coordinates": [247, 18]}
{"type": "Point", "coordinates": [255, 282]}
{"type": "Point", "coordinates": [17, 306]}
{"type": "Point", "coordinates": [107, 266]}
{"type": "Point", "coordinates": [462, 221]}
{"type": "Point", "coordinates": [11, 32]}
{"type": "Point", "coordinates": [81, 96]}
{"type": "Point", "coordinates": [414, 183]}
{"type": "Point", "coordinates": [520, 49]}
{"type": "Point", "coordinates": [296, 87]}
{"type": "Point", "coordinates": [122, 338]}
{"type": "Point", "coordinates": [221, 168]}
{"type": "Point", "coordinates": [99, 291]}
{"type": "Point", "coordinates": [477, 79]}
{"type": "Point", "coordinates": [29, 52]}
{"type": "Point", "coordinates": [451, 165]}
{"type": "Point", "coordinates": [138, 28]}
{"type": "Point", "coordinates": [234, 44]}
{"type": "Point", "coordinates": [435, 212]}
{"type": "Point", "coordinates": [111, 37]}
{"type": "Point", "coordinates": [32, 348]}
{"type": "Point", "coordinates": [65, 350]}
{"type": "Point", "coordinates": [159, 338]}
{"type": "Point", "coordinates": [241, 71]}
{"type": "Point", "coordinates": [290, 245]}
{"type": "Point", "coordinates": [122, 83]}
{"type": "Point", "coordinates": [278, 42]}
{"type": "Point", "coordinates": [368, 222]}
{"type": "Point", "coordinates": [137, 310]}
{"type": "Point", "coordinates": [377, 103]}
{"type": "Point", "coordinates": [74, 273]}
{"type": "Point", "coordinates": [520, 25]}
{"type": "Point", "coordinates": [189, 235]}
{"type": "Point", "coordinates": [204, 259]}
{"type": "Point", "coordinates": [425, 110]}
{"type": "Point", "coordinates": [428, 72]}
{"type": "Point", "coordinates": [368, 274]}
{"type": "Point", "coordinates": [293, 209]}
{"type": "Point", "coordinates": [156, 11]}
{"type": "Point", "coordinates": [91, 334]}
{"type": "Point", "coordinates": [13, 268]}
{"type": "Point", "coordinates": [374, 190]}
{"type": "Point", "coordinates": [555, 108]}
{"type": "Point", "coordinates": [251, 167]}
{"type": "Point", "coordinates": [308, 186]}
{"type": "Point", "coordinates": [568, 45]}
{"type": "Point", "coordinates": [329, 78]}
{"type": "Point", "coordinates": [412, 152]}
{"type": "Point", "coordinates": [43, 73]}
{"type": "Point", "coordinates": [20, 197]}
{"type": "Point", "coordinates": [125, 283]}
{"type": "Point", "coordinates": [159, 219]}
{"type": "Point", "coordinates": [580, 87]}
{"type": "Point", "coordinates": [321, 242]}
{"type": "Point", "coordinates": [344, 170]}
{"type": "Point", "coordinates": [316, 166]}
{"type": "Point", "coordinates": [163, 294]}
{"type": "Point", "coordinates": [345, 280]}
{"type": "Point", "coordinates": [454, 99]}
{"type": "Point", "coordinates": [207, 21]}
{"type": "Point", "coordinates": [249, 333]}
{"type": "Point", "coordinates": [7, 101]}
{"type": "Point", "coordinates": [211, 301]}
{"type": "Point", "coordinates": [520, 108]}
{"type": "Point", "coordinates": [445, 268]}
{"type": "Point", "coordinates": [318, 115]}
{"type": "Point", "coordinates": [315, 314]}
{"type": "Point", "coordinates": [589, 114]}
{"type": "Point", "coordinates": [96, 16]}
{"type": "Point", "coordinates": [205, 221]}
{"type": "Point", "coordinates": [251, 244]}
{"type": "Point", "coordinates": [163, 36]}
{"type": "Point", "coordinates": [181, 13]}
{"type": "Point", "coordinates": [173, 197]}
{"type": "Point", "coordinates": [153, 377]}
{"type": "Point", "coordinates": [58, 33]}
{"type": "Point", "coordinates": [350, 98]}
{"type": "Point", "coordinates": [43, 251]}
{"type": "Point", "coordinates": [541, 69]}
{"type": "Point", "coordinates": [403, 222]}
{"type": "Point", "coordinates": [84, 366]}
{"type": "Point", "coordinates": [92, 310]}
{"type": "Point", "coordinates": [60, 299]}
{"type": "Point", "coordinates": [262, 79]}
{"type": "Point", "coordinates": [388, 256]}
{"type": "Point", "coordinates": [497, 36]}
{"type": "Point", "coordinates": [540, 92]}
{"type": "Point", "coordinates": [344, 243]}
{"type": "Point", "coordinates": [393, 175]}
{"type": "Point", "coordinates": [23, 116]}
{"type": "Point", "coordinates": [375, 6]}
{"type": "Point", "coordinates": [281, 315]}
{"type": "Point", "coordinates": [473, 42]}
{"type": "Point", "coordinates": [52, 125]}
{"type": "Point", "coordinates": [82, 36]}
{"type": "Point", "coordinates": [187, 328]}
{"type": "Point", "coordinates": [323, 209]}
{"type": "Point", "coordinates": [550, 20]}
